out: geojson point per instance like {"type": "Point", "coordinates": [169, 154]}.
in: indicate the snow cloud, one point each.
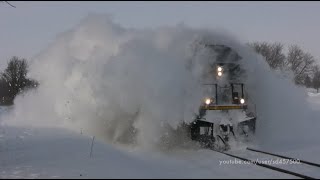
{"type": "Point", "coordinates": [135, 86]}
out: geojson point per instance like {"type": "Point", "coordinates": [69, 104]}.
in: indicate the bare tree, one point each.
{"type": "Point", "coordinates": [308, 81]}
{"type": "Point", "coordinates": [297, 61]}
{"type": "Point", "coordinates": [300, 62]}
{"type": "Point", "coordinates": [15, 77]}
{"type": "Point", "coordinates": [272, 52]}
{"type": "Point", "coordinates": [316, 78]}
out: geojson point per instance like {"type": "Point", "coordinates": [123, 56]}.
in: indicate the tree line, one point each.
{"type": "Point", "coordinates": [13, 80]}
{"type": "Point", "coordinates": [303, 66]}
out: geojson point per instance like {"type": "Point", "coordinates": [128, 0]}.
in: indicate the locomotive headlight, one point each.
{"type": "Point", "coordinates": [242, 101]}
{"type": "Point", "coordinates": [208, 101]}
{"type": "Point", "coordinates": [219, 69]}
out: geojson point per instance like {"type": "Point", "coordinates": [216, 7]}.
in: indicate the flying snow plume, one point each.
{"type": "Point", "coordinates": [138, 86]}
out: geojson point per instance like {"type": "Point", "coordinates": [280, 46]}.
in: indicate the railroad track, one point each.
{"type": "Point", "coordinates": [285, 157]}
{"type": "Point", "coordinates": [275, 168]}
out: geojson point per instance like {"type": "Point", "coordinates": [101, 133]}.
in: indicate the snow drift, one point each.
{"type": "Point", "coordinates": [137, 86]}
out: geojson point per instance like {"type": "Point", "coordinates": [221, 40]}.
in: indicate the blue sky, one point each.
{"type": "Point", "coordinates": [29, 28]}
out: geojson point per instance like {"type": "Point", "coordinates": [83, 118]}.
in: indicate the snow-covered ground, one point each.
{"type": "Point", "coordinates": [60, 153]}
{"type": "Point", "coordinates": [314, 98]}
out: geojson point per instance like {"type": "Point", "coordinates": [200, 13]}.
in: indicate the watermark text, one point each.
{"type": "Point", "coordinates": [277, 161]}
